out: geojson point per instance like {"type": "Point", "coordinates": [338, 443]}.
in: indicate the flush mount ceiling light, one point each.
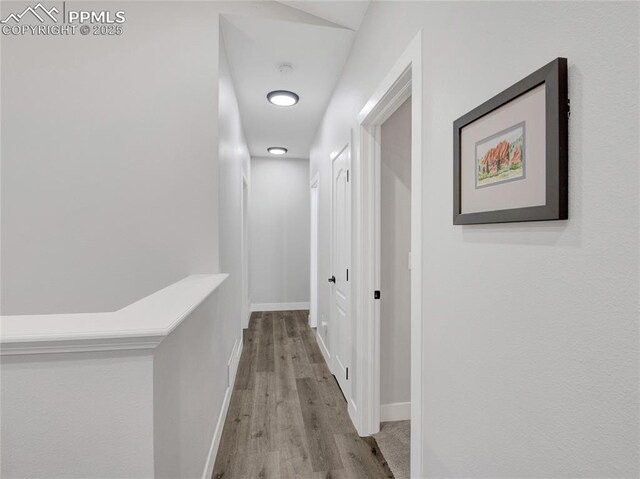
{"type": "Point", "coordinates": [277, 150]}
{"type": "Point", "coordinates": [283, 98]}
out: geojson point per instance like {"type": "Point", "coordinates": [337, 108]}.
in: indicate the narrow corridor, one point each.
{"type": "Point", "coordinates": [287, 417]}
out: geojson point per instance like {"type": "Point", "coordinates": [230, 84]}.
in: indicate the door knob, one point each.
{"type": "Point", "coordinates": [332, 279]}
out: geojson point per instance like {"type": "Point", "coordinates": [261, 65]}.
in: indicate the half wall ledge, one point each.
{"type": "Point", "coordinates": [140, 325]}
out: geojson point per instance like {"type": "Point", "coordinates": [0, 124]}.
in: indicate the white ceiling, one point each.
{"type": "Point", "coordinates": [257, 46]}
{"type": "Point", "coordinates": [349, 14]}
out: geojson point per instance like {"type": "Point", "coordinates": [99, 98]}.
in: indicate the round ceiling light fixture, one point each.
{"type": "Point", "coordinates": [277, 150]}
{"type": "Point", "coordinates": [283, 98]}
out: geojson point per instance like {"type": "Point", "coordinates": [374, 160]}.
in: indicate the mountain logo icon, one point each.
{"type": "Point", "coordinates": [38, 11]}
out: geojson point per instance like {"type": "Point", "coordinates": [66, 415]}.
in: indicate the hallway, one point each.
{"type": "Point", "coordinates": [287, 417]}
{"type": "Point", "coordinates": [320, 239]}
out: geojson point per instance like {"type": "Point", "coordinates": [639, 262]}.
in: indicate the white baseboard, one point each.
{"type": "Point", "coordinates": [245, 321]}
{"type": "Point", "coordinates": [399, 411]}
{"type": "Point", "coordinates": [323, 349]}
{"type": "Point", "coordinates": [352, 410]}
{"type": "Point", "coordinates": [234, 360]}
{"type": "Point", "coordinates": [279, 306]}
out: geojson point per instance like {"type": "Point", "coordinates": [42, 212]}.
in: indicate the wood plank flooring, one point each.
{"type": "Point", "coordinates": [287, 417]}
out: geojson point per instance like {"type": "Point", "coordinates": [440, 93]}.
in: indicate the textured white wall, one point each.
{"type": "Point", "coordinates": [542, 382]}
{"type": "Point", "coordinates": [280, 224]}
{"type": "Point", "coordinates": [395, 244]}
{"type": "Point", "coordinates": [77, 415]}
{"type": "Point", "coordinates": [190, 379]}
{"type": "Point", "coordinates": [108, 172]}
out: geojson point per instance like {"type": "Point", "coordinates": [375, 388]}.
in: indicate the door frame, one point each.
{"type": "Point", "coordinates": [245, 307]}
{"type": "Point", "coordinates": [314, 189]}
{"type": "Point", "coordinates": [403, 80]}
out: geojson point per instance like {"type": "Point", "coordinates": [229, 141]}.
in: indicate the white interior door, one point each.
{"type": "Point", "coordinates": [340, 269]}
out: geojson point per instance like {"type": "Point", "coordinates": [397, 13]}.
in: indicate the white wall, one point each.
{"type": "Point", "coordinates": [279, 224]}
{"type": "Point", "coordinates": [108, 173]}
{"type": "Point", "coordinates": [193, 372]}
{"type": "Point", "coordinates": [543, 383]}
{"type": "Point", "coordinates": [77, 415]}
{"type": "Point", "coordinates": [395, 244]}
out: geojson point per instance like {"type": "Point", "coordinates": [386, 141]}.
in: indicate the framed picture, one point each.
{"type": "Point", "coordinates": [510, 153]}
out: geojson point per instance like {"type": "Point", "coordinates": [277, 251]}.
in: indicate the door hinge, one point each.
{"type": "Point", "coordinates": [376, 294]}
{"type": "Point", "coordinates": [347, 274]}
{"type": "Point", "coordinates": [347, 374]}
{"type": "Point", "coordinates": [568, 115]}
{"type": "Point", "coordinates": [347, 176]}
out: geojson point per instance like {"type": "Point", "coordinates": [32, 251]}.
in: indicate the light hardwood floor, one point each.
{"type": "Point", "coordinates": [287, 417]}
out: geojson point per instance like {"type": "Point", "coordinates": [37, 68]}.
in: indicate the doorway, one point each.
{"type": "Point", "coordinates": [395, 265]}
{"type": "Point", "coordinates": [403, 82]}
{"type": "Point", "coordinates": [395, 286]}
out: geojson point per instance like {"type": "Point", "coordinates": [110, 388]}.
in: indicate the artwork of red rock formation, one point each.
{"type": "Point", "coordinates": [516, 155]}
{"type": "Point", "coordinates": [496, 158]}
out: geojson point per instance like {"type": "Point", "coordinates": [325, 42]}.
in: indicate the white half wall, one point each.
{"type": "Point", "coordinates": [138, 393]}
{"type": "Point", "coordinates": [542, 381]}
{"type": "Point", "coordinates": [280, 224]}
{"type": "Point", "coordinates": [193, 373]}
{"type": "Point", "coordinates": [77, 415]}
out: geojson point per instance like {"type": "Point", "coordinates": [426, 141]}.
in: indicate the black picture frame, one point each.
{"type": "Point", "coordinates": [554, 76]}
